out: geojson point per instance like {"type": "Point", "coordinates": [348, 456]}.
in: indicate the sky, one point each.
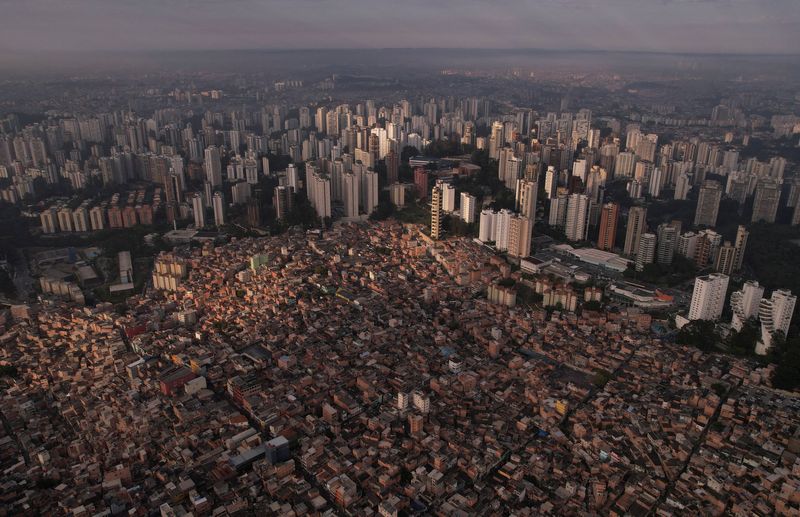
{"type": "Point", "coordinates": [695, 26]}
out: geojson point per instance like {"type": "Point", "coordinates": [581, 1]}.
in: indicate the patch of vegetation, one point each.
{"type": "Point", "coordinates": [719, 388]}
{"type": "Point", "coordinates": [593, 305]}
{"type": "Point", "coordinates": [772, 255]}
{"type": "Point", "coordinates": [7, 287]}
{"type": "Point", "coordinates": [454, 225]}
{"type": "Point", "coordinates": [416, 213]}
{"type": "Point", "coordinates": [442, 148]}
{"type": "Point", "coordinates": [681, 270]}
{"type": "Point", "coordinates": [9, 370]}
{"type": "Point", "coordinates": [601, 378]}
{"type": "Point", "coordinates": [46, 483]}
{"type": "Point", "coordinates": [700, 334]}
{"type": "Point", "coordinates": [787, 354]}
{"type": "Point", "coordinates": [743, 343]}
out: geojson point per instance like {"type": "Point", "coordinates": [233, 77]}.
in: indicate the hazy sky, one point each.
{"type": "Point", "coordinates": [752, 26]}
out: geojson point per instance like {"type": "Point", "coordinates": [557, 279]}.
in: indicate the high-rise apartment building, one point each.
{"type": "Point", "coordinates": [319, 194]}
{"type": "Point", "coordinates": [765, 202]}
{"type": "Point", "coordinates": [213, 166]}
{"type": "Point", "coordinates": [637, 224]}
{"type": "Point", "coordinates": [437, 196]}
{"type": "Point", "coordinates": [775, 314]}
{"type": "Point", "coordinates": [65, 219]}
{"type": "Point", "coordinates": [744, 304]}
{"type": "Point", "coordinates": [725, 259]}
{"type": "Point", "coordinates": [508, 169]}
{"type": "Point", "coordinates": [369, 191]}
{"type": "Point", "coordinates": [551, 182]}
{"type": "Point", "coordinates": [708, 204]}
{"type": "Point", "coordinates": [647, 250]}
{"type": "Point", "coordinates": [706, 248]}
{"type": "Point", "coordinates": [496, 140]}
{"type": "Point", "coordinates": [502, 221]}
{"type": "Point", "coordinates": [199, 211]}
{"type": "Point", "coordinates": [421, 183]}
{"type": "Point", "coordinates": [97, 218]}
{"type": "Point", "coordinates": [687, 245]}
{"type": "Point", "coordinates": [486, 227]}
{"type": "Point", "coordinates": [397, 193]}
{"type": "Point", "coordinates": [796, 215]}
{"type": "Point", "coordinates": [448, 198]}
{"type": "Point", "coordinates": [218, 205]}
{"type": "Point", "coordinates": [519, 236]}
{"type": "Point", "coordinates": [624, 165]}
{"type": "Point", "coordinates": [667, 241]}
{"type": "Point", "coordinates": [80, 219]}
{"type": "Point", "coordinates": [708, 297]}
{"type": "Point", "coordinates": [656, 182]}
{"type": "Point", "coordinates": [350, 194]}
{"type": "Point", "coordinates": [576, 224]}
{"type": "Point", "coordinates": [609, 215]}
{"type": "Point", "coordinates": [469, 207]}
{"type": "Point", "coordinates": [332, 123]}
{"type": "Point", "coordinates": [392, 167]}
{"type": "Point", "coordinates": [557, 217]}
{"type": "Point", "coordinates": [683, 184]}
{"type": "Point", "coordinates": [526, 198]}
{"type": "Point", "coordinates": [283, 201]}
{"type": "Point", "coordinates": [49, 220]}
{"type": "Point", "coordinates": [293, 176]}
{"type": "Point", "coordinates": [741, 246]}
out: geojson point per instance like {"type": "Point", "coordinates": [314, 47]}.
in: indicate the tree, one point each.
{"type": "Point", "coordinates": [7, 286]}
{"type": "Point", "coordinates": [8, 370]}
{"type": "Point", "coordinates": [454, 225]}
{"type": "Point", "coordinates": [407, 153]}
{"type": "Point", "coordinates": [504, 199]}
{"type": "Point", "coordinates": [442, 148]}
{"type": "Point", "coordinates": [601, 377]}
{"type": "Point", "coordinates": [719, 388]}
{"type": "Point", "coordinates": [506, 282]}
{"type": "Point", "coordinates": [592, 305]}
{"type": "Point", "coordinates": [618, 191]}
{"type": "Point", "coordinates": [384, 210]}
{"type": "Point", "coordinates": [743, 343]}
{"type": "Point", "coordinates": [700, 334]}
{"type": "Point", "coordinates": [787, 374]}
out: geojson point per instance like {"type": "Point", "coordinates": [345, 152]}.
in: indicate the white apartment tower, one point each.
{"type": "Point", "coordinates": [708, 297]}
{"type": "Point", "coordinates": [647, 250]}
{"type": "Point", "coordinates": [502, 224]}
{"type": "Point", "coordinates": [319, 194]}
{"type": "Point", "coordinates": [213, 166]}
{"type": "Point", "coordinates": [775, 314]}
{"type": "Point", "coordinates": [526, 198]}
{"type": "Point", "coordinates": [577, 217]}
{"type": "Point", "coordinates": [350, 194]}
{"type": "Point", "coordinates": [199, 211]}
{"type": "Point", "coordinates": [486, 229]}
{"type": "Point", "coordinates": [218, 204]}
{"type": "Point", "coordinates": [448, 198]}
{"type": "Point", "coordinates": [468, 207]}
{"type": "Point", "coordinates": [744, 304]}
{"type": "Point", "coordinates": [369, 191]}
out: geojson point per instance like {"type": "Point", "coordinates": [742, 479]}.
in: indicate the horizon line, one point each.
{"type": "Point", "coordinates": [384, 49]}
